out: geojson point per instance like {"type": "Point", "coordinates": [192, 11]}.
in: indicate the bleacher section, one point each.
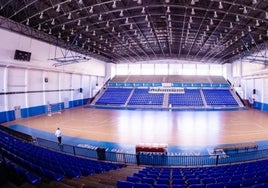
{"type": "Point", "coordinates": [252, 174]}
{"type": "Point", "coordinates": [143, 97]}
{"type": "Point", "coordinates": [202, 92]}
{"type": "Point", "coordinates": [191, 97]}
{"type": "Point", "coordinates": [216, 97]}
{"type": "Point", "coordinates": [29, 162]}
{"type": "Point", "coordinates": [116, 96]}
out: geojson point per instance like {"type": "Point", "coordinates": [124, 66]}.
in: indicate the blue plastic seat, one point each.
{"type": "Point", "coordinates": [53, 175]}
{"type": "Point", "coordinates": [161, 186]}
{"type": "Point", "coordinates": [215, 185]}
{"type": "Point", "coordinates": [148, 180]}
{"type": "Point", "coordinates": [143, 185]}
{"type": "Point", "coordinates": [232, 184]}
{"type": "Point", "coordinates": [32, 178]}
{"type": "Point", "coordinates": [125, 184]}
{"type": "Point", "coordinates": [133, 179]}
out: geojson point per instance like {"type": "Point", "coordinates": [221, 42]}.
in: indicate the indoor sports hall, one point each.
{"type": "Point", "coordinates": [145, 93]}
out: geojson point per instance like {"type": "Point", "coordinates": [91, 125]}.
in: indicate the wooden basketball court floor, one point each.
{"type": "Point", "coordinates": [179, 128]}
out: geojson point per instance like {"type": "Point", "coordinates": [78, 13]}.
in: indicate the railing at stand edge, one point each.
{"type": "Point", "coordinates": [155, 159]}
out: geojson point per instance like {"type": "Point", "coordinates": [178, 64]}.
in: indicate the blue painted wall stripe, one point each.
{"type": "Point", "coordinates": [7, 116]}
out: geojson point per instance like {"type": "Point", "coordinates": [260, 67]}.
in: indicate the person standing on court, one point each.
{"type": "Point", "coordinates": [58, 135]}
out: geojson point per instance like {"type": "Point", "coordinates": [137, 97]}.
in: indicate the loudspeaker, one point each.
{"type": "Point", "coordinates": [254, 91]}
{"type": "Point", "coordinates": [101, 153]}
{"type": "Point", "coordinates": [46, 79]}
{"type": "Point", "coordinates": [80, 90]}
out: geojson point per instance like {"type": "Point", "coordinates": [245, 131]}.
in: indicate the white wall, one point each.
{"type": "Point", "coordinates": [251, 75]}
{"type": "Point", "coordinates": [27, 78]}
{"type": "Point", "coordinates": [41, 55]}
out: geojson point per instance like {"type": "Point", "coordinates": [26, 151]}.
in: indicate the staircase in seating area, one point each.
{"type": "Point", "coordinates": [129, 97]}
{"type": "Point", "coordinates": [203, 98]}
{"type": "Point", "coordinates": [165, 100]}
{"type": "Point", "coordinates": [96, 98]}
{"type": "Point", "coordinates": [232, 91]}
{"type": "Point", "coordinates": [107, 179]}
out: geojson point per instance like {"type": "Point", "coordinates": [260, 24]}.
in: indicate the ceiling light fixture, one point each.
{"type": "Point", "coordinates": [237, 18]}
{"type": "Point", "coordinates": [242, 33]}
{"type": "Point", "coordinates": [107, 24]}
{"type": "Point", "coordinates": [91, 10]}
{"type": "Point", "coordinates": [220, 5]}
{"type": "Point", "coordinates": [231, 25]}
{"type": "Point", "coordinates": [113, 30]}
{"type": "Point", "coordinates": [59, 35]}
{"type": "Point", "coordinates": [114, 4]}
{"type": "Point", "coordinates": [215, 14]}
{"type": "Point", "coordinates": [63, 27]}
{"type": "Point", "coordinates": [211, 22]}
{"type": "Point", "coordinates": [131, 26]}
{"type": "Point", "coordinates": [207, 29]}
{"type": "Point", "coordinates": [53, 22]}
{"type": "Point", "coordinates": [41, 15]}
{"type": "Point", "coordinates": [80, 1]}
{"type": "Point", "coordinates": [167, 1]}
{"type": "Point", "coordinates": [78, 22]}
{"type": "Point", "coordinates": [193, 12]}
{"type": "Point", "coordinates": [169, 17]}
{"type": "Point", "coordinates": [121, 13]}
{"type": "Point", "coordinates": [190, 19]}
{"type": "Point", "coordinates": [254, 2]}
{"type": "Point", "coordinates": [39, 27]}
{"type": "Point", "coordinates": [257, 23]}
{"type": "Point", "coordinates": [192, 2]}
{"type": "Point", "coordinates": [68, 39]}
{"type": "Point", "coordinates": [266, 15]}
{"type": "Point", "coordinates": [126, 21]}
{"type": "Point", "coordinates": [245, 10]}
{"type": "Point", "coordinates": [168, 9]}
{"type": "Point", "coordinates": [49, 31]}
{"type": "Point", "coordinates": [69, 16]}
{"type": "Point", "coordinates": [260, 37]}
{"type": "Point", "coordinates": [86, 28]}
{"type": "Point", "coordinates": [139, 2]}
{"type": "Point", "coordinates": [146, 18]}
{"type": "Point", "coordinates": [94, 33]}
{"type": "Point", "coordinates": [58, 8]}
{"type": "Point", "coordinates": [100, 17]}
{"type": "Point", "coordinates": [249, 29]}
{"type": "Point", "coordinates": [72, 31]}
{"type": "Point", "coordinates": [27, 22]}
{"type": "Point", "coordinates": [143, 10]}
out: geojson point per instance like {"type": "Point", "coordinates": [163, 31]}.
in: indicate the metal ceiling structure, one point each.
{"type": "Point", "coordinates": [123, 31]}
